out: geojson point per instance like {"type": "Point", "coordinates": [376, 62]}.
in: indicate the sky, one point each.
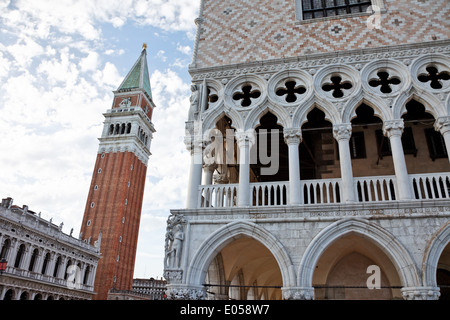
{"type": "Point", "coordinates": [60, 61]}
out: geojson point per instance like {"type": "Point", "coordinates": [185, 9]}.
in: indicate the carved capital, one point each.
{"type": "Point", "coordinates": [393, 128]}
{"type": "Point", "coordinates": [292, 135]}
{"type": "Point", "coordinates": [244, 138]}
{"type": "Point", "coordinates": [342, 131]}
{"type": "Point", "coordinates": [421, 293]}
{"type": "Point", "coordinates": [220, 178]}
{"type": "Point", "coordinates": [183, 293]}
{"type": "Point", "coordinates": [442, 125]}
{"type": "Point", "coordinates": [173, 275]}
{"type": "Point", "coordinates": [194, 143]}
{"type": "Point", "coordinates": [296, 293]}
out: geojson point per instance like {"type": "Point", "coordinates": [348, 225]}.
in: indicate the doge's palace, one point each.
{"type": "Point", "coordinates": [318, 134]}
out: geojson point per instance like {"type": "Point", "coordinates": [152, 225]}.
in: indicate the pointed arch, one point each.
{"type": "Point", "coordinates": [301, 114]}
{"type": "Point", "coordinates": [398, 255]}
{"type": "Point", "coordinates": [379, 106]}
{"type": "Point", "coordinates": [430, 102]}
{"type": "Point", "coordinates": [432, 254]}
{"type": "Point", "coordinates": [198, 267]}
{"type": "Point", "coordinates": [211, 118]}
{"type": "Point", "coordinates": [257, 113]}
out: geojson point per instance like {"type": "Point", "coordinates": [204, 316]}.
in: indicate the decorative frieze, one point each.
{"type": "Point", "coordinates": [298, 293]}
{"type": "Point", "coordinates": [421, 293]}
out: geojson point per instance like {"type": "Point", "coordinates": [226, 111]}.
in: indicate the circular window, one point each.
{"type": "Point", "coordinates": [290, 87]}
{"type": "Point", "coordinates": [245, 92]}
{"type": "Point", "coordinates": [432, 72]}
{"type": "Point", "coordinates": [337, 82]}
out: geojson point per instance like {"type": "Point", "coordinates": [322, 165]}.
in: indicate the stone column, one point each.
{"type": "Point", "coordinates": [293, 137]}
{"type": "Point", "coordinates": [245, 141]}
{"type": "Point", "coordinates": [40, 261]}
{"type": "Point", "coordinates": [208, 171]}
{"type": "Point", "coordinates": [195, 174]}
{"type": "Point", "coordinates": [442, 125]}
{"type": "Point", "coordinates": [342, 134]}
{"type": "Point", "coordinates": [25, 262]}
{"type": "Point", "coordinates": [393, 129]}
{"type": "Point", "coordinates": [51, 264]}
{"type": "Point", "coordinates": [421, 293]}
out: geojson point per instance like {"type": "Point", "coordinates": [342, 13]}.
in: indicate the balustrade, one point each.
{"type": "Point", "coordinates": [326, 191]}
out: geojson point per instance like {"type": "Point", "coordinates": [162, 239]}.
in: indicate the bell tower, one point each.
{"type": "Point", "coordinates": [113, 207]}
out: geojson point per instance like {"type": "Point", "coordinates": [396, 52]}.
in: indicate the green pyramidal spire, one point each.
{"type": "Point", "coordinates": [138, 76]}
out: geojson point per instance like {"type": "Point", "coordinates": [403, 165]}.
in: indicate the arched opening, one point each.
{"type": "Point", "coordinates": [24, 296]}
{"type": "Point", "coordinates": [45, 264]}
{"type": "Point", "coordinates": [57, 264]}
{"type": "Point", "coordinates": [269, 161]}
{"type": "Point", "coordinates": [424, 147]}
{"type": "Point", "coordinates": [344, 271]}
{"type": "Point", "coordinates": [5, 249]}
{"type": "Point", "coordinates": [443, 273]}
{"type": "Point", "coordinates": [86, 275]}
{"type": "Point", "coordinates": [38, 296]}
{"type": "Point", "coordinates": [367, 132]}
{"type": "Point", "coordinates": [244, 269]}
{"type": "Point", "coordinates": [33, 259]}
{"type": "Point", "coordinates": [317, 149]}
{"type": "Point", "coordinates": [66, 271]}
{"type": "Point", "coordinates": [226, 170]}
{"type": "Point", "coordinates": [9, 295]}
{"type": "Point", "coordinates": [19, 256]}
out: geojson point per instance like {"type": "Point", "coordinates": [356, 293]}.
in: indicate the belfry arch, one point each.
{"type": "Point", "coordinates": [245, 256]}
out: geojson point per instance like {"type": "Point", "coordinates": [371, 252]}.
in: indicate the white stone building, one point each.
{"type": "Point", "coordinates": [43, 263]}
{"type": "Point", "coordinates": [153, 288]}
{"type": "Point", "coordinates": [318, 133]}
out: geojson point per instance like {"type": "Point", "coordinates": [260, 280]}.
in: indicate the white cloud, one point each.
{"type": "Point", "coordinates": [184, 49]}
{"type": "Point", "coordinates": [59, 79]}
{"type": "Point", "coordinates": [161, 55]}
{"type": "Point", "coordinates": [109, 76]}
{"type": "Point", "coordinates": [91, 62]}
{"type": "Point", "coordinates": [24, 51]}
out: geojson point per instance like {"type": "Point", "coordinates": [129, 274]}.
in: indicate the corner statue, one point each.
{"type": "Point", "coordinates": [174, 241]}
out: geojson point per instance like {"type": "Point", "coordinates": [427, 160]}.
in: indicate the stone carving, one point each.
{"type": "Point", "coordinates": [421, 293]}
{"type": "Point", "coordinates": [292, 135]}
{"type": "Point", "coordinates": [174, 241]}
{"type": "Point", "coordinates": [298, 293]}
{"type": "Point", "coordinates": [194, 100]}
{"type": "Point", "coordinates": [393, 127]}
{"type": "Point", "coordinates": [173, 276]}
{"type": "Point", "coordinates": [186, 294]}
{"type": "Point", "coordinates": [342, 131]}
{"type": "Point", "coordinates": [125, 103]}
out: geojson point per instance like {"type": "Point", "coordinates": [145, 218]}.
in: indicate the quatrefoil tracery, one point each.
{"type": "Point", "coordinates": [337, 85]}
{"type": "Point", "coordinates": [290, 90]}
{"type": "Point", "coordinates": [434, 77]}
{"type": "Point", "coordinates": [246, 95]}
{"type": "Point", "coordinates": [384, 81]}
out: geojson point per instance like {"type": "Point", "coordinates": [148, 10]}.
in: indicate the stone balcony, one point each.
{"type": "Point", "coordinates": [326, 191]}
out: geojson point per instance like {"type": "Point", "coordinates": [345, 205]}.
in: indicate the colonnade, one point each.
{"type": "Point", "coordinates": [393, 129]}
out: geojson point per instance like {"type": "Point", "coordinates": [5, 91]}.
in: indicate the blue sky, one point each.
{"type": "Point", "coordinates": [60, 60]}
